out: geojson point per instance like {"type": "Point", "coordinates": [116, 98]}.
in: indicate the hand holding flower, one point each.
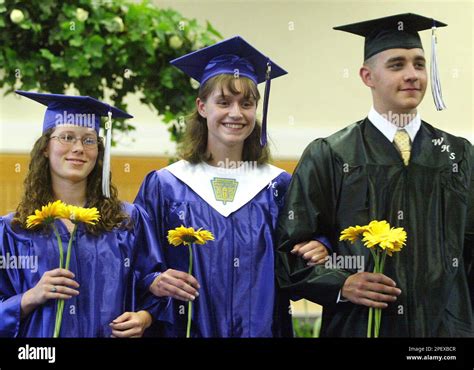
{"type": "Point", "coordinates": [188, 236]}
{"type": "Point", "coordinates": [46, 216]}
{"type": "Point", "coordinates": [176, 284]}
{"type": "Point", "coordinates": [369, 289]}
{"type": "Point", "coordinates": [374, 289]}
{"type": "Point", "coordinates": [60, 280]}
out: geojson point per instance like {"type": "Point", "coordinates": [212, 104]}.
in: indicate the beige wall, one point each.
{"type": "Point", "coordinates": [323, 91]}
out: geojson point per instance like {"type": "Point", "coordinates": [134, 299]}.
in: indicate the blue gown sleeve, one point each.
{"type": "Point", "coordinates": [10, 300]}
{"type": "Point", "coordinates": [148, 264]}
{"type": "Point", "coordinates": [325, 241]}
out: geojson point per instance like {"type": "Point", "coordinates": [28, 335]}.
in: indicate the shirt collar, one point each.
{"type": "Point", "coordinates": [389, 129]}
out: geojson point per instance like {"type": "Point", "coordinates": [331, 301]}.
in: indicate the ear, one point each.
{"type": "Point", "coordinates": [201, 108]}
{"type": "Point", "coordinates": [366, 75]}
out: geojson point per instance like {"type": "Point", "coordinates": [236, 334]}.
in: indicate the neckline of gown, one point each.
{"type": "Point", "coordinates": [386, 153]}
{"type": "Point", "coordinates": [63, 230]}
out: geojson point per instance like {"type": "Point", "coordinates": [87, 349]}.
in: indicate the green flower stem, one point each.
{"type": "Point", "coordinates": [375, 314]}
{"type": "Point", "coordinates": [382, 264]}
{"type": "Point", "coordinates": [374, 255]}
{"type": "Point", "coordinates": [60, 245]}
{"type": "Point", "coordinates": [377, 311]}
{"type": "Point", "coordinates": [60, 303]}
{"type": "Point", "coordinates": [190, 303]}
{"type": "Point", "coordinates": [378, 316]}
{"type": "Point", "coordinates": [369, 323]}
{"type": "Point", "coordinates": [69, 247]}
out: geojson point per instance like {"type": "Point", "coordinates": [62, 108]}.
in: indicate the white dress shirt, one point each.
{"type": "Point", "coordinates": [388, 129]}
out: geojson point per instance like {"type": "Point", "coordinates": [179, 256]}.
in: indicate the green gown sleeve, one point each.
{"type": "Point", "coordinates": [469, 235]}
{"type": "Point", "coordinates": [310, 209]}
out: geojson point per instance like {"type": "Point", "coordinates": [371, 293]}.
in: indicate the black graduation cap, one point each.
{"type": "Point", "coordinates": [396, 31]}
{"type": "Point", "coordinates": [399, 31]}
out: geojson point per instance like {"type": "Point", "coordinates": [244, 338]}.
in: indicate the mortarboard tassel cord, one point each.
{"type": "Point", "coordinates": [266, 95]}
{"type": "Point", "coordinates": [106, 162]}
{"type": "Point", "coordinates": [435, 80]}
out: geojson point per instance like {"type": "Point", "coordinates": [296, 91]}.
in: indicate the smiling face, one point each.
{"type": "Point", "coordinates": [71, 162]}
{"type": "Point", "coordinates": [230, 112]}
{"type": "Point", "coordinates": [397, 78]}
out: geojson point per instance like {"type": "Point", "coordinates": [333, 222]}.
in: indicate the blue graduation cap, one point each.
{"type": "Point", "coordinates": [80, 111]}
{"type": "Point", "coordinates": [400, 31]}
{"type": "Point", "coordinates": [232, 56]}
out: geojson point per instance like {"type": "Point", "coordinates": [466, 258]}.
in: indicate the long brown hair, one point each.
{"type": "Point", "coordinates": [38, 191]}
{"type": "Point", "coordinates": [194, 145]}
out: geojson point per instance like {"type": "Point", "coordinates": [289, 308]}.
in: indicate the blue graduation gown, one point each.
{"type": "Point", "coordinates": [238, 296]}
{"type": "Point", "coordinates": [114, 271]}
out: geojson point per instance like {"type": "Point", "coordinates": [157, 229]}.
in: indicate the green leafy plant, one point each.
{"type": "Point", "coordinates": [306, 326]}
{"type": "Point", "coordinates": [102, 49]}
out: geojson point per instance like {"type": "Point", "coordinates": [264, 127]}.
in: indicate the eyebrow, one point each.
{"type": "Point", "coordinates": [403, 59]}
{"type": "Point", "coordinates": [87, 134]}
{"type": "Point", "coordinates": [225, 96]}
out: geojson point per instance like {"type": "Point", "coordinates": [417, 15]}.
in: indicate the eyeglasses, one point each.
{"type": "Point", "coordinates": [88, 142]}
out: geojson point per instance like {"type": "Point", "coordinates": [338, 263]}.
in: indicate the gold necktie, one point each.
{"type": "Point", "coordinates": [402, 142]}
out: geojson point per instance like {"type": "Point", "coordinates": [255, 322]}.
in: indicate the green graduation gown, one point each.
{"type": "Point", "coordinates": [357, 175]}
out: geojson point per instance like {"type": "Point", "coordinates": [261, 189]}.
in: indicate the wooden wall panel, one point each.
{"type": "Point", "coordinates": [127, 174]}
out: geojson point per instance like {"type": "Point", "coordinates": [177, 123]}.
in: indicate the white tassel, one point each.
{"type": "Point", "coordinates": [435, 81]}
{"type": "Point", "coordinates": [106, 162]}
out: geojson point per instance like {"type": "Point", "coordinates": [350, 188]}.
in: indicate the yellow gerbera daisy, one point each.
{"type": "Point", "coordinates": [352, 233]}
{"type": "Point", "coordinates": [397, 239]}
{"type": "Point", "coordinates": [86, 215]}
{"type": "Point", "coordinates": [187, 236]}
{"type": "Point", "coordinates": [202, 236]}
{"type": "Point", "coordinates": [379, 233]}
{"type": "Point", "coordinates": [48, 214]}
{"type": "Point", "coordinates": [376, 233]}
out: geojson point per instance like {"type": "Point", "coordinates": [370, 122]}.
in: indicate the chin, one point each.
{"type": "Point", "coordinates": [409, 105]}
{"type": "Point", "coordinates": [233, 143]}
{"type": "Point", "coordinates": [235, 140]}
{"type": "Point", "coordinates": [75, 176]}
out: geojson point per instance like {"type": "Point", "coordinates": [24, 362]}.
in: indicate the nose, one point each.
{"type": "Point", "coordinates": [411, 73]}
{"type": "Point", "coordinates": [235, 112]}
{"type": "Point", "coordinates": [77, 147]}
